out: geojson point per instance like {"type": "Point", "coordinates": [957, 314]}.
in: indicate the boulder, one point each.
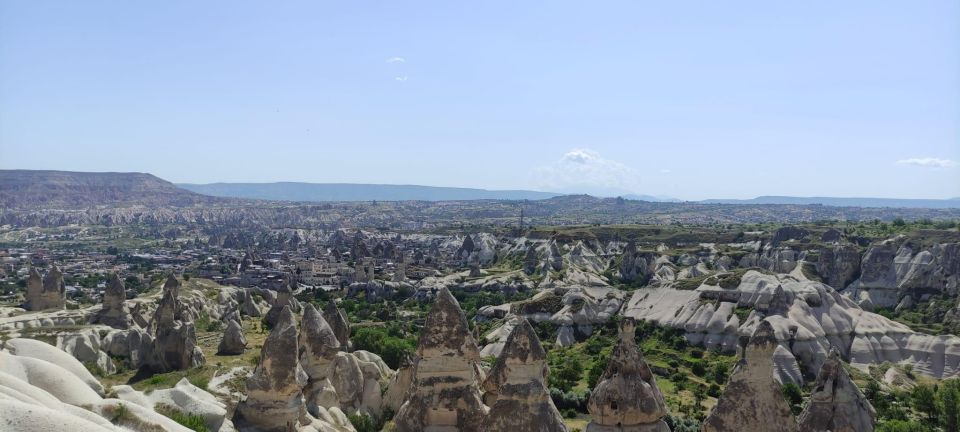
{"type": "Point", "coordinates": [752, 400]}
{"type": "Point", "coordinates": [627, 397]}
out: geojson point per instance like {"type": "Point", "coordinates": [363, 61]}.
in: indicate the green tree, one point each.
{"type": "Point", "coordinates": [948, 404]}
{"type": "Point", "coordinates": [923, 399]}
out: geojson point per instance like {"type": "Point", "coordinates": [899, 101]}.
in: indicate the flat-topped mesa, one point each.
{"type": "Point", "coordinates": [318, 350]}
{"type": "Point", "coordinates": [274, 400]}
{"type": "Point", "coordinates": [516, 387]}
{"type": "Point", "coordinates": [174, 340]}
{"type": "Point", "coordinates": [339, 323]}
{"type": "Point", "coordinates": [445, 394]}
{"type": "Point", "coordinates": [48, 292]}
{"type": "Point", "coordinates": [752, 400]}
{"type": "Point", "coordinates": [836, 404]}
{"type": "Point", "coordinates": [233, 342]}
{"type": "Point", "coordinates": [114, 311]}
{"type": "Point", "coordinates": [627, 397]}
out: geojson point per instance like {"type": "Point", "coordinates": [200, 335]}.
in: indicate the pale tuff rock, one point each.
{"type": "Point", "coordinates": [635, 265]}
{"type": "Point", "coordinates": [114, 311]}
{"type": "Point", "coordinates": [339, 323]}
{"type": "Point", "coordinates": [530, 260]}
{"type": "Point", "coordinates": [836, 404]}
{"type": "Point", "coordinates": [400, 385]}
{"type": "Point", "coordinates": [445, 391]}
{"type": "Point", "coordinates": [817, 318]}
{"type": "Point", "coordinates": [318, 350]}
{"type": "Point", "coordinates": [889, 272]}
{"type": "Point", "coordinates": [233, 342]}
{"type": "Point", "coordinates": [185, 397]}
{"type": "Point", "coordinates": [172, 285]}
{"type": "Point", "coordinates": [284, 298]}
{"type": "Point", "coordinates": [174, 341]}
{"type": "Point", "coordinates": [839, 265]}
{"type": "Point", "coordinates": [274, 399]}
{"type": "Point", "coordinates": [516, 389]}
{"type": "Point", "coordinates": [86, 347]}
{"type": "Point", "coordinates": [46, 293]}
{"type": "Point", "coordinates": [752, 401]}
{"type": "Point", "coordinates": [627, 397]}
{"type": "Point", "coordinates": [249, 306]}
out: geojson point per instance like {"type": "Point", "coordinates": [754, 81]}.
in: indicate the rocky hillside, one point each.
{"type": "Point", "coordinates": [25, 189]}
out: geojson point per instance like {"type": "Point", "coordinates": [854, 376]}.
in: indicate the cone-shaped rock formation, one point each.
{"type": "Point", "coordinates": [516, 387]}
{"type": "Point", "coordinates": [274, 400]}
{"type": "Point", "coordinates": [233, 342]}
{"type": "Point", "coordinates": [752, 400]}
{"type": "Point", "coordinates": [627, 397]}
{"type": "Point", "coordinates": [445, 393]}
{"type": "Point", "coordinates": [836, 404]}
{"type": "Point", "coordinates": [114, 311]}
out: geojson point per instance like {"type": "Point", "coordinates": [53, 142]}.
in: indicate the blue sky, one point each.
{"type": "Point", "coordinates": [685, 99]}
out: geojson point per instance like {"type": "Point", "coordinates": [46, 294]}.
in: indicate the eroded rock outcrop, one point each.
{"type": "Point", "coordinates": [627, 397]}
{"type": "Point", "coordinates": [445, 391]}
{"type": "Point", "coordinates": [233, 342]}
{"type": "Point", "coordinates": [114, 311]}
{"type": "Point", "coordinates": [752, 400]}
{"type": "Point", "coordinates": [274, 398]}
{"type": "Point", "coordinates": [836, 404]}
{"type": "Point", "coordinates": [339, 323]}
{"type": "Point", "coordinates": [516, 387]}
{"type": "Point", "coordinates": [318, 350]}
{"type": "Point", "coordinates": [46, 293]}
{"type": "Point", "coordinates": [839, 265]}
{"type": "Point", "coordinates": [174, 340]}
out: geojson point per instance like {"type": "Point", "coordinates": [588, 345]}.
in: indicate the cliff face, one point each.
{"type": "Point", "coordinates": [889, 273]}
{"type": "Point", "coordinates": [25, 189]}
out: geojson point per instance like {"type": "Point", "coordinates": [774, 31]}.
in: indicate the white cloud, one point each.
{"type": "Point", "coordinates": [928, 162]}
{"type": "Point", "coordinates": [400, 78]}
{"type": "Point", "coordinates": [585, 171]}
{"type": "Point", "coordinates": [396, 60]}
{"type": "Point", "coordinates": [666, 171]}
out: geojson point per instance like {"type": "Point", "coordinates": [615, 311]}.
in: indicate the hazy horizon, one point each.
{"type": "Point", "coordinates": [733, 100]}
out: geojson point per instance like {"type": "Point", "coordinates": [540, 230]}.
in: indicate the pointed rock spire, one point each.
{"type": "Point", "coordinates": [274, 400]}
{"type": "Point", "coordinates": [339, 323]}
{"type": "Point", "coordinates": [445, 391]}
{"type": "Point", "coordinates": [175, 340]}
{"type": "Point", "coordinates": [48, 292]}
{"type": "Point", "coordinates": [627, 395]}
{"type": "Point", "coordinates": [516, 387]}
{"type": "Point", "coordinates": [752, 400]}
{"type": "Point", "coordinates": [836, 404]}
{"type": "Point", "coordinates": [172, 285]}
{"type": "Point", "coordinates": [318, 344]}
{"type": "Point", "coordinates": [114, 311]}
{"type": "Point", "coordinates": [318, 350]}
{"type": "Point", "coordinates": [34, 290]}
{"type": "Point", "coordinates": [233, 342]}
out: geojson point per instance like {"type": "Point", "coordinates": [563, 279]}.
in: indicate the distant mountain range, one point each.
{"type": "Point", "coordinates": [844, 202]}
{"type": "Point", "coordinates": [64, 189]}
{"type": "Point", "coordinates": [67, 190]}
{"type": "Point", "coordinates": [290, 191]}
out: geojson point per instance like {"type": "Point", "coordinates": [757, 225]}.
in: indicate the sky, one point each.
{"type": "Point", "coordinates": [686, 99]}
